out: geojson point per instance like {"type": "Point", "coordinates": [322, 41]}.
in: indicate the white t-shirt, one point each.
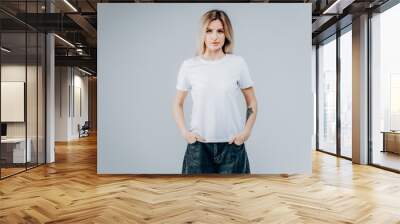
{"type": "Point", "coordinates": [215, 88]}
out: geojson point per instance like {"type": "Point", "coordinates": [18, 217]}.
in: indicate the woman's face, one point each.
{"type": "Point", "coordinates": [215, 36]}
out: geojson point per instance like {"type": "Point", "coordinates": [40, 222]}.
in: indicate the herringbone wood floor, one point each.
{"type": "Point", "coordinates": [70, 191]}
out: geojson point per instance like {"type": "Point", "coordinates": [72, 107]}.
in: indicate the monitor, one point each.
{"type": "Point", "coordinates": [3, 129]}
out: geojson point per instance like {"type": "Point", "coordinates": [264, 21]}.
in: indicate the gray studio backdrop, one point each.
{"type": "Point", "coordinates": [140, 49]}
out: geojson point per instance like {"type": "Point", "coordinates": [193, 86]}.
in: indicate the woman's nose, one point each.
{"type": "Point", "coordinates": [214, 35]}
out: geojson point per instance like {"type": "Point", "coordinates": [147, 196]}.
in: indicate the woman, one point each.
{"type": "Point", "coordinates": [216, 78]}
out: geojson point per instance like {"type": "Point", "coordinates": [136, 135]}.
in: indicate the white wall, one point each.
{"type": "Point", "coordinates": [81, 84]}
{"type": "Point", "coordinates": [140, 48]}
{"type": "Point", "coordinates": [67, 80]}
{"type": "Point", "coordinates": [62, 80]}
{"type": "Point", "coordinates": [15, 72]}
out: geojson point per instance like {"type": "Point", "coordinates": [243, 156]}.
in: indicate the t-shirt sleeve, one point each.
{"type": "Point", "coordinates": [182, 81]}
{"type": "Point", "coordinates": [245, 80]}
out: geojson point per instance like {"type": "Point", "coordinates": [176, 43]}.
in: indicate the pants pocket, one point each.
{"type": "Point", "coordinates": [235, 160]}
{"type": "Point", "coordinates": [192, 159]}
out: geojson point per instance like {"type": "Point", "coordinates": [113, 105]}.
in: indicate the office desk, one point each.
{"type": "Point", "coordinates": [13, 150]}
{"type": "Point", "coordinates": [391, 141]}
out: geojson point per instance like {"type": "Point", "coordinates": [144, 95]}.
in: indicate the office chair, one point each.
{"type": "Point", "coordinates": [84, 130]}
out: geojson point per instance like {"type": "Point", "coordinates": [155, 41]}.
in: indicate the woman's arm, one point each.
{"type": "Point", "coordinates": [177, 110]}
{"type": "Point", "coordinates": [251, 115]}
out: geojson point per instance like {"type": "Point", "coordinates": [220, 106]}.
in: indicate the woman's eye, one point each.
{"type": "Point", "coordinates": [208, 31]}
{"type": "Point", "coordinates": [220, 31]}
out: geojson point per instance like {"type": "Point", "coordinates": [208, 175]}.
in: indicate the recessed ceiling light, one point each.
{"type": "Point", "coordinates": [64, 40]}
{"type": "Point", "coordinates": [337, 7]}
{"type": "Point", "coordinates": [70, 5]}
{"type": "Point", "coordinates": [84, 71]}
{"type": "Point", "coordinates": [5, 50]}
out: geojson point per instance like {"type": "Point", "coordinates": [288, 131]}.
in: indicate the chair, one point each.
{"type": "Point", "coordinates": [84, 130]}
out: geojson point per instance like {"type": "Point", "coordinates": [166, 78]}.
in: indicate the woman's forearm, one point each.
{"type": "Point", "coordinates": [251, 115]}
{"type": "Point", "coordinates": [179, 117]}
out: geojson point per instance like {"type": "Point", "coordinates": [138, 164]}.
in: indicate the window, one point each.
{"type": "Point", "coordinates": [327, 96]}
{"type": "Point", "coordinates": [385, 88]}
{"type": "Point", "coordinates": [346, 93]}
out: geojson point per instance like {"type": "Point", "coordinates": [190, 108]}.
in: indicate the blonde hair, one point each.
{"type": "Point", "coordinates": [206, 19]}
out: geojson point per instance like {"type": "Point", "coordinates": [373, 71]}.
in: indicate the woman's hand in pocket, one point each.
{"type": "Point", "coordinates": [191, 137]}
{"type": "Point", "coordinates": [240, 138]}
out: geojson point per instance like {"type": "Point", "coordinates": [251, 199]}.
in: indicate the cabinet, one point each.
{"type": "Point", "coordinates": [391, 142]}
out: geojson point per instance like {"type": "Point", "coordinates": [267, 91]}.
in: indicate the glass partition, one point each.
{"type": "Point", "coordinates": [41, 87]}
{"type": "Point", "coordinates": [14, 153]}
{"type": "Point", "coordinates": [385, 89]}
{"type": "Point", "coordinates": [327, 95]}
{"type": "Point", "coordinates": [22, 78]}
{"type": "Point", "coordinates": [32, 95]}
{"type": "Point", "coordinates": [346, 93]}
